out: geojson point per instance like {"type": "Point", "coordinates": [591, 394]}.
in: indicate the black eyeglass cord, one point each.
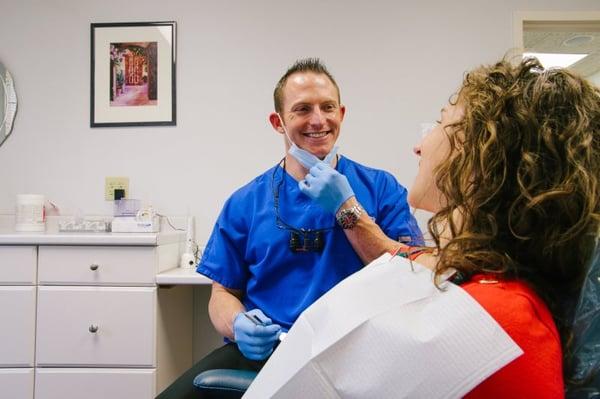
{"type": "Point", "coordinates": [301, 239]}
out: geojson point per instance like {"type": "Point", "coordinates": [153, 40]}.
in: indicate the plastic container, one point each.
{"type": "Point", "coordinates": [127, 207]}
{"type": "Point", "coordinates": [30, 213]}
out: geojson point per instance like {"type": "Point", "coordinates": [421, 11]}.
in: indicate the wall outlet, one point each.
{"type": "Point", "coordinates": [113, 183]}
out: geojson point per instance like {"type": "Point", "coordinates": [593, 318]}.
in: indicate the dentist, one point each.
{"type": "Point", "coordinates": [291, 234]}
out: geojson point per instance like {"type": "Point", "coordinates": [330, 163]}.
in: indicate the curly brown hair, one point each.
{"type": "Point", "coordinates": [523, 175]}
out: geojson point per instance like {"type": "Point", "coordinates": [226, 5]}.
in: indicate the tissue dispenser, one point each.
{"type": "Point", "coordinates": [133, 224]}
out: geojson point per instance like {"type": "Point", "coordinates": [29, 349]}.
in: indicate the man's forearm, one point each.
{"type": "Point", "coordinates": [223, 306]}
{"type": "Point", "coordinates": [366, 237]}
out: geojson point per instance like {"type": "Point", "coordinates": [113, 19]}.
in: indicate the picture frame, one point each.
{"type": "Point", "coordinates": [132, 76]}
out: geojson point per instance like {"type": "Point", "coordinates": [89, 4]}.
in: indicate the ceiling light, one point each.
{"type": "Point", "coordinates": [578, 40]}
{"type": "Point", "coordinates": [552, 60]}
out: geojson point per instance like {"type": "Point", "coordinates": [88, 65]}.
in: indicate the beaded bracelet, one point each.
{"type": "Point", "coordinates": [411, 253]}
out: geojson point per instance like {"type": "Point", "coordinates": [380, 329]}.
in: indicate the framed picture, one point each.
{"type": "Point", "coordinates": [132, 74]}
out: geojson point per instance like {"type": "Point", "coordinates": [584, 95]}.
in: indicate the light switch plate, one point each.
{"type": "Point", "coordinates": [113, 183]}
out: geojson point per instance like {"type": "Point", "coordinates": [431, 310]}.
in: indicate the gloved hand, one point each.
{"type": "Point", "coordinates": [326, 186]}
{"type": "Point", "coordinates": [255, 341]}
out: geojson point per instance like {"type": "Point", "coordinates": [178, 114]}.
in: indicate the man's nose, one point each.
{"type": "Point", "coordinates": [317, 118]}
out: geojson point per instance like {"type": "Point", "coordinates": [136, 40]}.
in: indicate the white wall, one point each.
{"type": "Point", "coordinates": [396, 63]}
{"type": "Point", "coordinates": [595, 78]}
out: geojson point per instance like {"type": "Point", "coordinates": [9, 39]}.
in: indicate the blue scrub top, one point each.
{"type": "Point", "coordinates": [247, 250]}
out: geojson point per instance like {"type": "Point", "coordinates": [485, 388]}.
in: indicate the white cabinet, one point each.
{"type": "Point", "coordinates": [17, 320]}
{"type": "Point", "coordinates": [96, 326]}
{"type": "Point", "coordinates": [18, 265]}
{"type": "Point", "coordinates": [94, 383]}
{"type": "Point", "coordinates": [16, 383]}
{"type": "Point", "coordinates": [17, 334]}
{"type": "Point", "coordinates": [89, 320]}
{"type": "Point", "coordinates": [85, 265]}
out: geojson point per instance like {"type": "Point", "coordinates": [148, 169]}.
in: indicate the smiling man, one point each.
{"type": "Point", "coordinates": [291, 234]}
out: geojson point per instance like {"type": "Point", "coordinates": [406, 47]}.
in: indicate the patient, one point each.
{"type": "Point", "coordinates": [511, 173]}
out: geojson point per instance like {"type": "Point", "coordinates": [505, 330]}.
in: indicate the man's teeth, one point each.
{"type": "Point", "coordinates": [317, 134]}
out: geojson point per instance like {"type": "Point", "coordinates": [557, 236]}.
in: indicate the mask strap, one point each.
{"type": "Point", "coordinates": [332, 154]}
{"type": "Point", "coordinates": [287, 136]}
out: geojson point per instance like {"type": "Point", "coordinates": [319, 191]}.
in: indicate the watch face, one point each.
{"type": "Point", "coordinates": [347, 218]}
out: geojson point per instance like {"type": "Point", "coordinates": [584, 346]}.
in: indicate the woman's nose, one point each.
{"type": "Point", "coordinates": [417, 150]}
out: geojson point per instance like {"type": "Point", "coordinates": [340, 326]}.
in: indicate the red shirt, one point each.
{"type": "Point", "coordinates": [524, 316]}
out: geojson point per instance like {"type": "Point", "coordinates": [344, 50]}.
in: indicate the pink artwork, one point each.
{"type": "Point", "coordinates": [133, 71]}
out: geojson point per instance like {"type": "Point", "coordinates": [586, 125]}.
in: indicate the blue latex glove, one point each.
{"type": "Point", "coordinates": [327, 186]}
{"type": "Point", "coordinates": [255, 340]}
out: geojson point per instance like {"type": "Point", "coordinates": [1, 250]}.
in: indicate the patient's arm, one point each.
{"type": "Point", "coordinates": [429, 260]}
{"type": "Point", "coordinates": [223, 306]}
{"type": "Point", "coordinates": [370, 242]}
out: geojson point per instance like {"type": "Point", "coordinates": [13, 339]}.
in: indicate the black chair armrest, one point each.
{"type": "Point", "coordinates": [223, 383]}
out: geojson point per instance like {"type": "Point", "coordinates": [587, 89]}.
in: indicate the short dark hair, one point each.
{"type": "Point", "coordinates": [303, 65]}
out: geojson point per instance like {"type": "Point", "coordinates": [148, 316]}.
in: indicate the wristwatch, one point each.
{"type": "Point", "coordinates": [348, 218]}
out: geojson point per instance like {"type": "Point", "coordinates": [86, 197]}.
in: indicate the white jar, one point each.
{"type": "Point", "coordinates": [30, 213]}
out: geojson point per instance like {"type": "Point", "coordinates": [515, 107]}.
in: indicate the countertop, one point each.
{"type": "Point", "coordinates": [175, 276]}
{"type": "Point", "coordinates": [8, 236]}
{"type": "Point", "coordinates": [182, 276]}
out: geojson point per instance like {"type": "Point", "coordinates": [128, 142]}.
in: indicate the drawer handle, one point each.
{"type": "Point", "coordinates": [94, 266]}
{"type": "Point", "coordinates": [93, 329]}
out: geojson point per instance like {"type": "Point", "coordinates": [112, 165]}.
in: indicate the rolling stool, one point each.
{"type": "Point", "coordinates": [223, 383]}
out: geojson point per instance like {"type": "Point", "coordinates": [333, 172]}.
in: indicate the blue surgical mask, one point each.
{"type": "Point", "coordinates": [307, 159]}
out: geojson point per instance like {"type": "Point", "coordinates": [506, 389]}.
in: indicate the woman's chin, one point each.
{"type": "Point", "coordinates": [413, 200]}
{"type": "Point", "coordinates": [421, 204]}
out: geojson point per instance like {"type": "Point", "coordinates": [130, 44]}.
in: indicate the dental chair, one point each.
{"type": "Point", "coordinates": [584, 376]}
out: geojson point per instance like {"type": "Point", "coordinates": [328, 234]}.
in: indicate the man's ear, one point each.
{"type": "Point", "coordinates": [342, 112]}
{"type": "Point", "coordinates": [276, 122]}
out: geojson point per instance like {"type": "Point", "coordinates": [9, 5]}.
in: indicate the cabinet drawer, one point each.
{"type": "Point", "coordinates": [17, 318]}
{"type": "Point", "coordinates": [16, 383]}
{"type": "Point", "coordinates": [96, 326]}
{"type": "Point", "coordinates": [17, 265]}
{"type": "Point", "coordinates": [71, 265]}
{"type": "Point", "coordinates": [94, 383]}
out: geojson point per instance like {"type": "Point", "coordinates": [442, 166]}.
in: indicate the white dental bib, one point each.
{"type": "Point", "coordinates": [387, 332]}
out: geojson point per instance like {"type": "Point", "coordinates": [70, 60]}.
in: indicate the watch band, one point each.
{"type": "Point", "coordinates": [349, 217]}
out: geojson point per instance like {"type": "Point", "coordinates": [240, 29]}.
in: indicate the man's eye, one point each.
{"type": "Point", "coordinates": [330, 107]}
{"type": "Point", "coordinates": [302, 110]}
